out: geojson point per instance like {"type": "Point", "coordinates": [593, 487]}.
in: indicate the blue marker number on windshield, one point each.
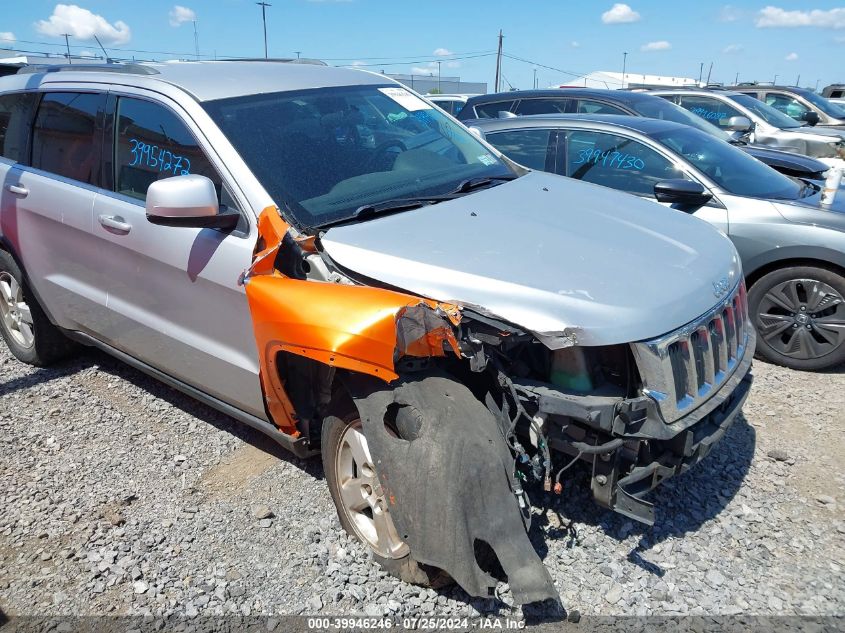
{"type": "Point", "coordinates": [163, 160]}
{"type": "Point", "coordinates": [611, 159]}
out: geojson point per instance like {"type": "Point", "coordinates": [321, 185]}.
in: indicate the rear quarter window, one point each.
{"type": "Point", "coordinates": [491, 110]}
{"type": "Point", "coordinates": [15, 120]}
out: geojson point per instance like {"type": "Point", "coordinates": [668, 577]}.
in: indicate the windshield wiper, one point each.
{"type": "Point", "coordinates": [474, 183]}
{"type": "Point", "coordinates": [388, 206]}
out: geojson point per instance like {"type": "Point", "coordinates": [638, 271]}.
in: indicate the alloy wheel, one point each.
{"type": "Point", "coordinates": [362, 497]}
{"type": "Point", "coordinates": [14, 311]}
{"type": "Point", "coordinates": [802, 318]}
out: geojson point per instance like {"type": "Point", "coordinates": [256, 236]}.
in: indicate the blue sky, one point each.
{"type": "Point", "coordinates": [758, 40]}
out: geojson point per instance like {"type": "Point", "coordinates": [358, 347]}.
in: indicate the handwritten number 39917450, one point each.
{"type": "Point", "coordinates": [158, 158]}
{"type": "Point", "coordinates": [612, 159]}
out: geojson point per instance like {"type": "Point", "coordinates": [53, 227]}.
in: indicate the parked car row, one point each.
{"type": "Point", "coordinates": [331, 259]}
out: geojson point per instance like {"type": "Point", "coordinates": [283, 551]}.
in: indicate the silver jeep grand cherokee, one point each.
{"type": "Point", "coordinates": [326, 257]}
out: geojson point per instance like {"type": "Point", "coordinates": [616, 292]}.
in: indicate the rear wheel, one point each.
{"type": "Point", "coordinates": [799, 314]}
{"type": "Point", "coordinates": [359, 498]}
{"type": "Point", "coordinates": [26, 329]}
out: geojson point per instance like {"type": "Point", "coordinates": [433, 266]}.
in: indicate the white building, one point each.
{"type": "Point", "coordinates": [614, 81]}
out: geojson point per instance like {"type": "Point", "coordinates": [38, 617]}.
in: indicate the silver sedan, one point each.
{"type": "Point", "coordinates": [792, 248]}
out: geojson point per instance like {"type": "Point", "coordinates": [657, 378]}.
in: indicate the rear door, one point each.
{"type": "Point", "coordinates": [48, 202]}
{"type": "Point", "coordinates": [174, 299]}
{"type": "Point", "coordinates": [530, 147]}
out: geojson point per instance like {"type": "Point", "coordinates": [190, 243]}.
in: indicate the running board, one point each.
{"type": "Point", "coordinates": [299, 446]}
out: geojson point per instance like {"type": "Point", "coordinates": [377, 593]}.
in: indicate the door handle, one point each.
{"type": "Point", "coordinates": [18, 190]}
{"type": "Point", "coordinates": [114, 223]}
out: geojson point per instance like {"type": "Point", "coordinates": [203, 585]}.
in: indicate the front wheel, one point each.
{"type": "Point", "coordinates": [799, 314]}
{"type": "Point", "coordinates": [359, 499]}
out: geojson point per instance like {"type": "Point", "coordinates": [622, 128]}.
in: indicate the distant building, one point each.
{"type": "Point", "coordinates": [447, 85]}
{"type": "Point", "coordinates": [615, 81]}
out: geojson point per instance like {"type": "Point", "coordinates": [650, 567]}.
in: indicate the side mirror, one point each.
{"type": "Point", "coordinates": [187, 201]}
{"type": "Point", "coordinates": [812, 118]}
{"type": "Point", "coordinates": [738, 124]}
{"type": "Point", "coordinates": [476, 132]}
{"type": "Point", "coordinates": [682, 192]}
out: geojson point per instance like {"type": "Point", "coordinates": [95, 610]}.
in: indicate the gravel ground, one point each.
{"type": "Point", "coordinates": [121, 496]}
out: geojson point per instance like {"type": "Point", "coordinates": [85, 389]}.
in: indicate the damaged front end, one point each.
{"type": "Point", "coordinates": [461, 409]}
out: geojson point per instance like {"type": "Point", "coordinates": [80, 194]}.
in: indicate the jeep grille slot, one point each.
{"type": "Point", "coordinates": [682, 369]}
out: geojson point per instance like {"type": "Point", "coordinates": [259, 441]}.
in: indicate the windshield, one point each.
{"type": "Point", "coordinates": [830, 109]}
{"type": "Point", "coordinates": [766, 112]}
{"type": "Point", "coordinates": [658, 108]}
{"type": "Point", "coordinates": [324, 153]}
{"type": "Point", "coordinates": [732, 169]}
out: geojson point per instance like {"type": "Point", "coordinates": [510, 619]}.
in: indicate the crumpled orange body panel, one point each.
{"type": "Point", "coordinates": [344, 326]}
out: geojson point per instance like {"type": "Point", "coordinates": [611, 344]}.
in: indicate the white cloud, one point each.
{"type": "Point", "coordinates": [84, 25]}
{"type": "Point", "coordinates": [732, 48]}
{"type": "Point", "coordinates": [774, 17]}
{"type": "Point", "coordinates": [620, 13]}
{"type": "Point", "coordinates": [575, 44]}
{"type": "Point", "coordinates": [729, 13]}
{"type": "Point", "coordinates": [179, 14]}
{"type": "Point", "coordinates": [442, 52]}
{"type": "Point", "coordinates": [416, 70]}
{"type": "Point", "coordinates": [791, 57]}
{"type": "Point", "coordinates": [662, 45]}
{"type": "Point", "coordinates": [7, 38]}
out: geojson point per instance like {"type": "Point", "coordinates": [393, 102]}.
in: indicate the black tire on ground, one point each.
{"type": "Point", "coordinates": [808, 341]}
{"type": "Point", "coordinates": [49, 344]}
{"type": "Point", "coordinates": [343, 414]}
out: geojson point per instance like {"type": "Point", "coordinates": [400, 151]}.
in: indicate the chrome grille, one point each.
{"type": "Point", "coordinates": [682, 369]}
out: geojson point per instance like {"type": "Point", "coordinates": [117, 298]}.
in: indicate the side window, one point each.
{"type": "Point", "coordinates": [491, 110]}
{"type": "Point", "coordinates": [712, 110]}
{"type": "Point", "coordinates": [15, 119]}
{"type": "Point", "coordinates": [586, 106]}
{"type": "Point", "coordinates": [545, 106]}
{"type": "Point", "coordinates": [788, 105]}
{"type": "Point", "coordinates": [153, 143]}
{"type": "Point", "coordinates": [617, 162]}
{"type": "Point", "coordinates": [527, 147]}
{"type": "Point", "coordinates": [66, 137]}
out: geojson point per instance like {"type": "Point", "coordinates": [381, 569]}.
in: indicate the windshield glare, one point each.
{"type": "Point", "coordinates": [323, 153]}
{"type": "Point", "coordinates": [830, 109]}
{"type": "Point", "coordinates": [732, 169]}
{"type": "Point", "coordinates": [666, 110]}
{"type": "Point", "coordinates": [766, 112]}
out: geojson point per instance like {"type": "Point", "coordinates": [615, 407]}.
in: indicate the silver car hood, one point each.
{"type": "Point", "coordinates": [571, 262]}
{"type": "Point", "coordinates": [819, 131]}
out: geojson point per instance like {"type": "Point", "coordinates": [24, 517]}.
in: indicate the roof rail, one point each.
{"type": "Point", "coordinates": [278, 60]}
{"type": "Point", "coordinates": [133, 69]}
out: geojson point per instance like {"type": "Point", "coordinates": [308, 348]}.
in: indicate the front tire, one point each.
{"type": "Point", "coordinates": [27, 331]}
{"type": "Point", "coordinates": [356, 492]}
{"type": "Point", "coordinates": [799, 314]}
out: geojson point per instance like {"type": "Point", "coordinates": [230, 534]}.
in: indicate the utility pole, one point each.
{"type": "Point", "coordinates": [67, 44]}
{"type": "Point", "coordinates": [775, 82]}
{"type": "Point", "coordinates": [798, 81]}
{"type": "Point", "coordinates": [817, 84]}
{"type": "Point", "coordinates": [535, 79]}
{"type": "Point", "coordinates": [624, 64]}
{"type": "Point", "coordinates": [708, 73]}
{"type": "Point", "coordinates": [736, 81]}
{"type": "Point", "coordinates": [196, 40]}
{"type": "Point", "coordinates": [498, 62]}
{"type": "Point", "coordinates": [264, 6]}
{"type": "Point", "coordinates": [700, 72]}
{"type": "Point", "coordinates": [438, 78]}
{"type": "Point", "coordinates": [298, 53]}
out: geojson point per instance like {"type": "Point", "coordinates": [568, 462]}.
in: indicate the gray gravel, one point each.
{"type": "Point", "coordinates": [121, 496]}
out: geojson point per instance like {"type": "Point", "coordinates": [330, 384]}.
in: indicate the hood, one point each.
{"type": "Point", "coordinates": [819, 130]}
{"type": "Point", "coordinates": [809, 211]}
{"type": "Point", "coordinates": [787, 161]}
{"type": "Point", "coordinates": [571, 262]}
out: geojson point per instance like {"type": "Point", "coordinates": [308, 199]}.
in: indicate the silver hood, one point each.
{"type": "Point", "coordinates": [571, 262]}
